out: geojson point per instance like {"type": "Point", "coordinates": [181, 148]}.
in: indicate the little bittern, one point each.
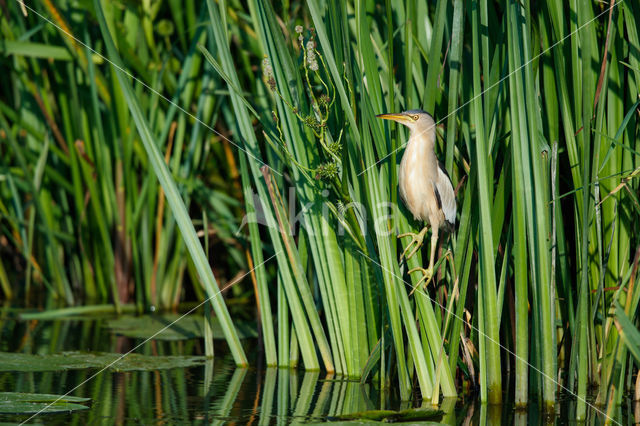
{"type": "Point", "coordinates": [424, 184]}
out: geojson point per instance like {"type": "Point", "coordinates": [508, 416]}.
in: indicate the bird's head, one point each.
{"type": "Point", "coordinates": [415, 119]}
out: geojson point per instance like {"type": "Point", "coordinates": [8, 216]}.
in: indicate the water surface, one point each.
{"type": "Point", "coordinates": [217, 392]}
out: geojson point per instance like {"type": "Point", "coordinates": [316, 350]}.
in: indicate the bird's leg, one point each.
{"type": "Point", "coordinates": [414, 244]}
{"type": "Point", "coordinates": [427, 274]}
{"type": "Point", "coordinates": [434, 244]}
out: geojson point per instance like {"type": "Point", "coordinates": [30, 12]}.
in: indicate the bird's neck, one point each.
{"type": "Point", "coordinates": [424, 137]}
{"type": "Point", "coordinates": [422, 143]}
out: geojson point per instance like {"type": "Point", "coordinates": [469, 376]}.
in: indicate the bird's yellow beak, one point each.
{"type": "Point", "coordinates": [400, 118]}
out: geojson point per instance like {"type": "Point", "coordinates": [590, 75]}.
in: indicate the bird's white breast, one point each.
{"type": "Point", "coordinates": [415, 180]}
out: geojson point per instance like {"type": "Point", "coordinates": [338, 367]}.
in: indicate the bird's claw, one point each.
{"type": "Point", "coordinates": [415, 243]}
{"type": "Point", "coordinates": [427, 274]}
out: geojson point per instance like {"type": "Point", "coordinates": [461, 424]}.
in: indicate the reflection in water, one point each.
{"type": "Point", "coordinates": [219, 393]}
{"type": "Point", "coordinates": [520, 418]}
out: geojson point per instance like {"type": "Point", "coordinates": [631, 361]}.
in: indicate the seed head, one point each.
{"type": "Point", "coordinates": [312, 60]}
{"type": "Point", "coordinates": [324, 100]}
{"type": "Point", "coordinates": [266, 67]}
{"type": "Point", "coordinates": [335, 147]}
{"type": "Point", "coordinates": [327, 171]}
{"type": "Point", "coordinates": [267, 71]}
{"type": "Point", "coordinates": [312, 122]}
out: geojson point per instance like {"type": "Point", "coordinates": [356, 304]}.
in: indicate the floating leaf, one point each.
{"type": "Point", "coordinates": [80, 360]}
{"type": "Point", "coordinates": [165, 327]}
{"type": "Point", "coordinates": [28, 403]}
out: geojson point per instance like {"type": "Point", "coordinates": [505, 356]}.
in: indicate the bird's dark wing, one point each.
{"type": "Point", "coordinates": [444, 170]}
{"type": "Point", "coordinates": [438, 199]}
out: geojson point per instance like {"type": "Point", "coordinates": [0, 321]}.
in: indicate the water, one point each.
{"type": "Point", "coordinates": [216, 392]}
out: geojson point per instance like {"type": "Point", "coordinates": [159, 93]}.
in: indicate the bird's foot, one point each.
{"type": "Point", "coordinates": [427, 274]}
{"type": "Point", "coordinates": [415, 243]}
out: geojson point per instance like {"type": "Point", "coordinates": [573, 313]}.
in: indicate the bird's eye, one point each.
{"type": "Point", "coordinates": [414, 117]}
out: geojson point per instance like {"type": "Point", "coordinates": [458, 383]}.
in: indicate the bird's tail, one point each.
{"type": "Point", "coordinates": [449, 226]}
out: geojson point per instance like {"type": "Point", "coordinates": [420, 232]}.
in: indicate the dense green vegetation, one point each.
{"type": "Point", "coordinates": [136, 134]}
